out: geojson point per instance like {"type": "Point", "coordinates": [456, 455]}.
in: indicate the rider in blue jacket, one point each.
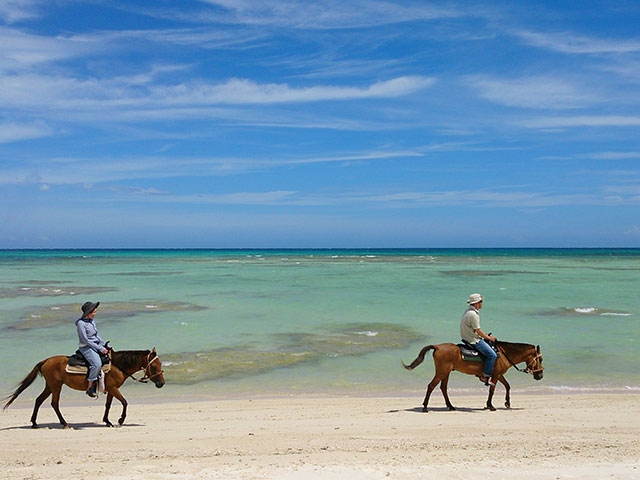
{"type": "Point", "coordinates": [90, 344]}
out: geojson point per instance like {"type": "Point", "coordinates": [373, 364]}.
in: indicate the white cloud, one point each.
{"type": "Point", "coordinates": [322, 14]}
{"type": "Point", "coordinates": [122, 95]}
{"type": "Point", "coordinates": [570, 43]}
{"type": "Point", "coordinates": [614, 155]}
{"type": "Point", "coordinates": [80, 170]}
{"type": "Point", "coordinates": [14, 132]}
{"type": "Point", "coordinates": [540, 92]}
{"type": "Point", "coordinates": [582, 121]}
{"type": "Point", "coordinates": [242, 91]}
{"type": "Point", "coordinates": [23, 50]}
{"type": "Point", "coordinates": [634, 231]}
{"type": "Point", "coordinates": [481, 198]}
{"type": "Point", "coordinates": [245, 198]}
{"type": "Point", "coordinates": [16, 10]}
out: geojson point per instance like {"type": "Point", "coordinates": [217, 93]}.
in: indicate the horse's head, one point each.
{"type": "Point", "coordinates": [534, 364]}
{"type": "Point", "coordinates": [153, 371]}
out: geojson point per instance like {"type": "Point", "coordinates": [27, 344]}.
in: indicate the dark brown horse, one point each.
{"type": "Point", "coordinates": [447, 357]}
{"type": "Point", "coordinates": [123, 365]}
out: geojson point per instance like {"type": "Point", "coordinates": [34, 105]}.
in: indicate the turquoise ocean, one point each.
{"type": "Point", "coordinates": [243, 323]}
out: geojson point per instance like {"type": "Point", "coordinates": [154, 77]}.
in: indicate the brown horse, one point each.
{"type": "Point", "coordinates": [447, 357]}
{"type": "Point", "coordinates": [123, 365]}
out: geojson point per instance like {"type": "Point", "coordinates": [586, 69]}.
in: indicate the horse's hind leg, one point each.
{"type": "Point", "coordinates": [443, 388]}
{"type": "Point", "coordinates": [38, 403]}
{"type": "Point", "coordinates": [433, 384]}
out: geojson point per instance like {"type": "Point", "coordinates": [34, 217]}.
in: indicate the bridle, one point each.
{"type": "Point", "coordinates": [531, 364]}
{"type": "Point", "coordinates": [147, 370]}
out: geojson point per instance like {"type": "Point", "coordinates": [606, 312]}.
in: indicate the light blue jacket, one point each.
{"type": "Point", "coordinates": [88, 335]}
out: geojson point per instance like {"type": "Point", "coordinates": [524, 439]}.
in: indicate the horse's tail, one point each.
{"type": "Point", "coordinates": [28, 380]}
{"type": "Point", "coordinates": [420, 357]}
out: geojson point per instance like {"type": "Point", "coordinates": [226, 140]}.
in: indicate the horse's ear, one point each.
{"type": "Point", "coordinates": [154, 350]}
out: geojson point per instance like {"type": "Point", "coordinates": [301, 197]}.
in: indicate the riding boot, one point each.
{"type": "Point", "coordinates": [92, 391]}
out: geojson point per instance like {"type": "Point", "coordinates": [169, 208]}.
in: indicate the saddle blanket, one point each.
{"type": "Point", "coordinates": [84, 370]}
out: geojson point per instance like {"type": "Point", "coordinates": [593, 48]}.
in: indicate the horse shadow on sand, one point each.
{"type": "Point", "coordinates": [445, 409]}
{"type": "Point", "coordinates": [75, 426]}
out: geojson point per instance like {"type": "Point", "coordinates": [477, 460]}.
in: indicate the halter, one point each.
{"type": "Point", "coordinates": [147, 370]}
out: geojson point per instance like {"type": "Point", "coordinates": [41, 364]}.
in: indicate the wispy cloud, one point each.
{"type": "Point", "coordinates": [12, 11]}
{"type": "Point", "coordinates": [71, 93]}
{"type": "Point", "coordinates": [323, 14]}
{"type": "Point", "coordinates": [633, 231]}
{"type": "Point", "coordinates": [592, 121]}
{"type": "Point", "coordinates": [539, 92]}
{"type": "Point", "coordinates": [481, 198]}
{"type": "Point", "coordinates": [242, 91]}
{"type": "Point", "coordinates": [23, 50]}
{"type": "Point", "coordinates": [614, 155]}
{"type": "Point", "coordinates": [12, 132]}
{"type": "Point", "coordinates": [81, 170]}
{"type": "Point", "coordinates": [571, 43]}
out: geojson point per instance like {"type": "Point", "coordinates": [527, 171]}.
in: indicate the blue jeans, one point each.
{"type": "Point", "coordinates": [489, 356]}
{"type": "Point", "coordinates": [94, 361]}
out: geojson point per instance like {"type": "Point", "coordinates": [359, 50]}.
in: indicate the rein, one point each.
{"type": "Point", "coordinates": [529, 368]}
{"type": "Point", "coordinates": [147, 372]}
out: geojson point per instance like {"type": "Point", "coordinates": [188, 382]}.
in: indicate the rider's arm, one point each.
{"type": "Point", "coordinates": [484, 336]}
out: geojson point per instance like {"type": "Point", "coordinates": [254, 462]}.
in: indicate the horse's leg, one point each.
{"type": "Point", "coordinates": [55, 403]}
{"type": "Point", "coordinates": [115, 393]}
{"type": "Point", "coordinates": [443, 388]}
{"type": "Point", "coordinates": [433, 384]}
{"type": "Point", "coordinates": [507, 387]}
{"type": "Point", "coordinates": [107, 407]}
{"type": "Point", "coordinates": [38, 403]}
{"type": "Point", "coordinates": [490, 406]}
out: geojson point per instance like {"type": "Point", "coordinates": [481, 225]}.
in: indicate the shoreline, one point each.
{"type": "Point", "coordinates": [309, 437]}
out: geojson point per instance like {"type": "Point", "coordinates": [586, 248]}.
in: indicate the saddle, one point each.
{"type": "Point", "coordinates": [470, 354]}
{"type": "Point", "coordinates": [76, 363]}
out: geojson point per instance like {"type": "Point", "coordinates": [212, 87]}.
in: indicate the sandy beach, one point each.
{"type": "Point", "coordinates": [543, 436]}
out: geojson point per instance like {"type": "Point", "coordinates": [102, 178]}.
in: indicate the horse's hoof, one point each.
{"type": "Point", "coordinates": [67, 427]}
{"type": "Point", "coordinates": [35, 425]}
{"type": "Point", "coordinates": [452, 408]}
{"type": "Point", "coordinates": [507, 405]}
{"type": "Point", "coordinates": [425, 410]}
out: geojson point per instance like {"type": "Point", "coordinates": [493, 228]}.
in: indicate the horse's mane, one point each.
{"type": "Point", "coordinates": [516, 344]}
{"type": "Point", "coordinates": [128, 359]}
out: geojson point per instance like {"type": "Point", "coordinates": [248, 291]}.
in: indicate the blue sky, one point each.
{"type": "Point", "coordinates": [286, 123]}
